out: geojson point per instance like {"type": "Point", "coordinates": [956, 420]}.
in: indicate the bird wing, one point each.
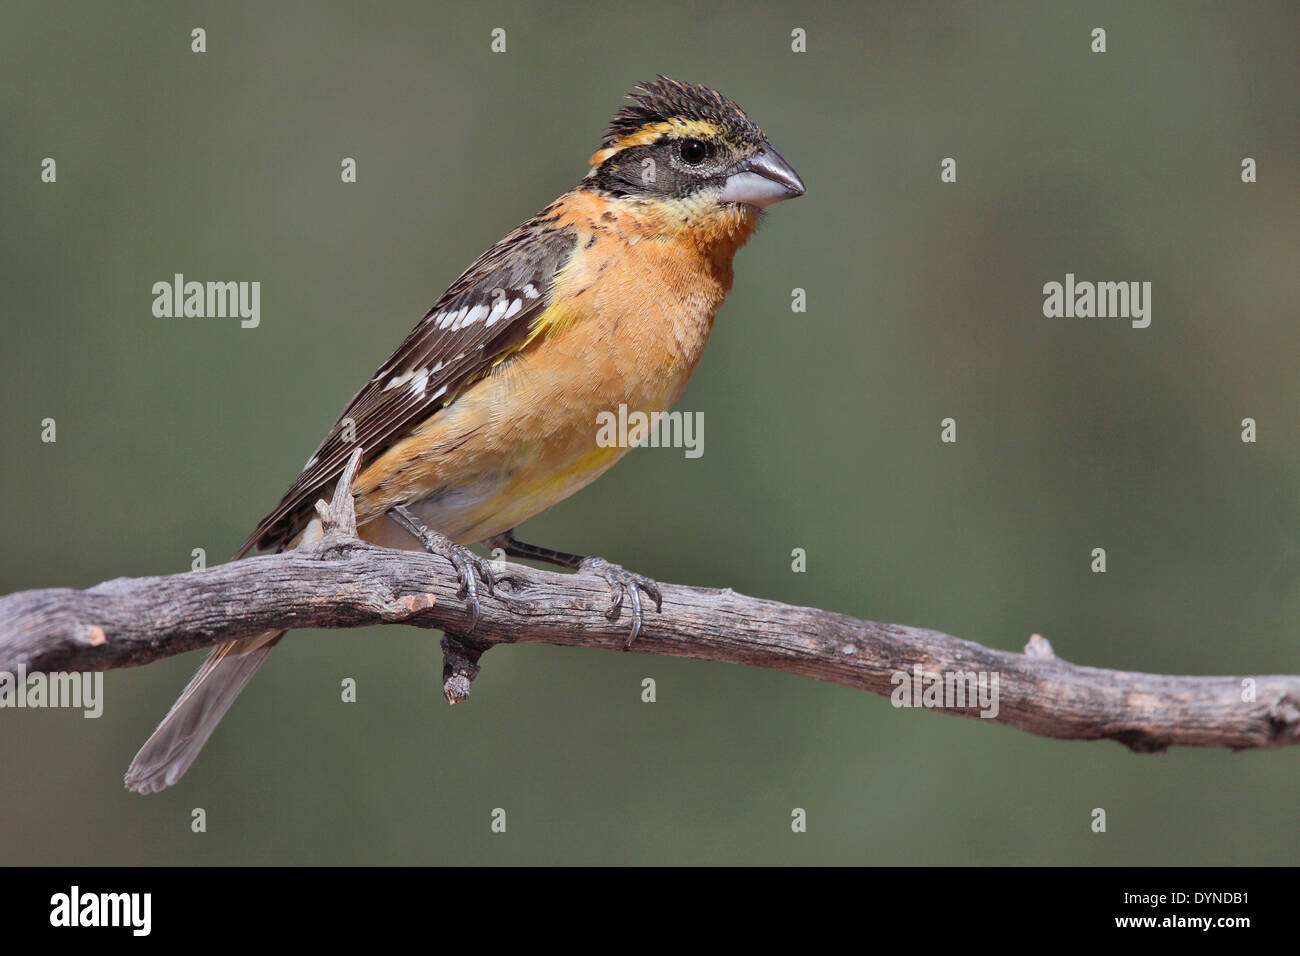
{"type": "Point", "coordinates": [484, 315]}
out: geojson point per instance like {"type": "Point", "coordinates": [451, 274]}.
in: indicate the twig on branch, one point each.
{"type": "Point", "coordinates": [341, 581]}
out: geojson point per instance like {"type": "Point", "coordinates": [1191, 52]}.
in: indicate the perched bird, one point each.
{"type": "Point", "coordinates": [487, 413]}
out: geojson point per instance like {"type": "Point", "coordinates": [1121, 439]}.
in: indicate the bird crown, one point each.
{"type": "Point", "coordinates": [663, 101]}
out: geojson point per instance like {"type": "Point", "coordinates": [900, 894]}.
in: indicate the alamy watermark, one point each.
{"type": "Point", "coordinates": [78, 690]}
{"type": "Point", "coordinates": [75, 908]}
{"type": "Point", "coordinates": [1101, 300]}
{"type": "Point", "coordinates": [208, 300]}
{"type": "Point", "coordinates": [624, 429]}
{"type": "Point", "coordinates": [950, 689]}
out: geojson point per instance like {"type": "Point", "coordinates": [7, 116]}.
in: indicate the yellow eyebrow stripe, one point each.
{"type": "Point", "coordinates": [652, 131]}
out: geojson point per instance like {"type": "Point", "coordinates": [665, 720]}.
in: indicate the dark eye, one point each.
{"type": "Point", "coordinates": [693, 152]}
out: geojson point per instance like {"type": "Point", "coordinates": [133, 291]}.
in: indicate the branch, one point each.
{"type": "Point", "coordinates": [341, 581]}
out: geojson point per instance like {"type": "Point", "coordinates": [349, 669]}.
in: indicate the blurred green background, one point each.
{"type": "Point", "coordinates": [822, 428]}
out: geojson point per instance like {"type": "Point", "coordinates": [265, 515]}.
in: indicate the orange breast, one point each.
{"type": "Point", "coordinates": [628, 323]}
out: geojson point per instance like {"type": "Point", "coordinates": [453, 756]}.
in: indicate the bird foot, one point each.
{"type": "Point", "coordinates": [624, 585]}
{"type": "Point", "coordinates": [468, 565]}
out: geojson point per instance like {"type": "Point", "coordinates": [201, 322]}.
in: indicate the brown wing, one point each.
{"type": "Point", "coordinates": [485, 313]}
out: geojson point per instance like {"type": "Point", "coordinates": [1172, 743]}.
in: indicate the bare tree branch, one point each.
{"type": "Point", "coordinates": [342, 581]}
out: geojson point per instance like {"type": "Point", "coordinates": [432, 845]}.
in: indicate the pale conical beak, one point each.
{"type": "Point", "coordinates": [762, 180]}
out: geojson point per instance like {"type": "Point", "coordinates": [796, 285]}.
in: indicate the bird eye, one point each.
{"type": "Point", "coordinates": [693, 152]}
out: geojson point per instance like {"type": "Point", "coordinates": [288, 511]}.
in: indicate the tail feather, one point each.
{"type": "Point", "coordinates": [170, 750]}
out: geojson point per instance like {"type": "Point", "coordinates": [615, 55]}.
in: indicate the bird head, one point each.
{"type": "Point", "coordinates": [692, 148]}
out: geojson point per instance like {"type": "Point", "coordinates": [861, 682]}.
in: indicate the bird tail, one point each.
{"type": "Point", "coordinates": [168, 753]}
{"type": "Point", "coordinates": [170, 750]}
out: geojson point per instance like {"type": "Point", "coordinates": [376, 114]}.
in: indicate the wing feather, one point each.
{"type": "Point", "coordinates": [485, 314]}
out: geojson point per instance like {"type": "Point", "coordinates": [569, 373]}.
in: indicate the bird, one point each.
{"type": "Point", "coordinates": [485, 414]}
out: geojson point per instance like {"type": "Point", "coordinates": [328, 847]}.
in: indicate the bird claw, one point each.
{"type": "Point", "coordinates": [624, 584]}
{"type": "Point", "coordinates": [466, 563]}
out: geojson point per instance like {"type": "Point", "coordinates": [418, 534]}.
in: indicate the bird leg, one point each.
{"type": "Point", "coordinates": [623, 583]}
{"type": "Point", "coordinates": [468, 565]}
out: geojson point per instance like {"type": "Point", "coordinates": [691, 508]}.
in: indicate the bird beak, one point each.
{"type": "Point", "coordinates": [762, 180]}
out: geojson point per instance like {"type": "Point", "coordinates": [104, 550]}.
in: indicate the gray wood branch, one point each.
{"type": "Point", "coordinates": [344, 582]}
